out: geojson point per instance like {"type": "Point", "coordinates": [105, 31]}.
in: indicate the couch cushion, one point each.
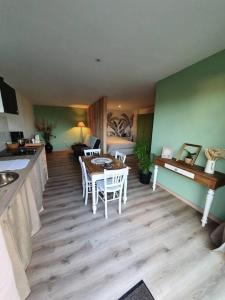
{"type": "Point", "coordinates": [92, 141]}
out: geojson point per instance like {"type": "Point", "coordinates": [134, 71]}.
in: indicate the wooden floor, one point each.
{"type": "Point", "coordinates": [159, 239]}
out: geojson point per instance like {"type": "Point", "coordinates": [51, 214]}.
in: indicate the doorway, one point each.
{"type": "Point", "coordinates": [144, 127]}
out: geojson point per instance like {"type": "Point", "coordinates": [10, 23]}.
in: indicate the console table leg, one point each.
{"type": "Point", "coordinates": [209, 200]}
{"type": "Point", "coordinates": [155, 177]}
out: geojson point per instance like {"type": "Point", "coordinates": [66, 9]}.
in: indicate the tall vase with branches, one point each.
{"type": "Point", "coordinates": [212, 156]}
{"type": "Point", "coordinates": [45, 127]}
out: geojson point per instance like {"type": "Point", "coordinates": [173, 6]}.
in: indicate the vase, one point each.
{"type": "Point", "coordinates": [48, 147]}
{"type": "Point", "coordinates": [145, 177]}
{"type": "Point", "coordinates": [210, 166]}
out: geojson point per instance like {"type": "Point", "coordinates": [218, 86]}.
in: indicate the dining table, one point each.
{"type": "Point", "coordinates": [96, 172]}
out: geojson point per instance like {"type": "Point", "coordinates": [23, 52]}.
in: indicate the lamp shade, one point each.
{"type": "Point", "coordinates": [80, 124]}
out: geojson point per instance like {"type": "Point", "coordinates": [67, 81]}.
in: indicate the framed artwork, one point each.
{"type": "Point", "coordinates": [188, 153]}
{"type": "Point", "coordinates": [120, 124]}
{"type": "Point", "coordinates": [167, 152]}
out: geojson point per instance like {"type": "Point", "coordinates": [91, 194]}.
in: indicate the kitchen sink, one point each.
{"type": "Point", "coordinates": [7, 178]}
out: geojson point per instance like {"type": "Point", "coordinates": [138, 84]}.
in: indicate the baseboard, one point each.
{"type": "Point", "coordinates": [196, 207]}
{"type": "Point", "coordinates": [62, 150]}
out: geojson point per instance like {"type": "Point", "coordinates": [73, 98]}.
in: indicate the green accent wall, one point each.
{"type": "Point", "coordinates": [65, 119]}
{"type": "Point", "coordinates": [190, 107]}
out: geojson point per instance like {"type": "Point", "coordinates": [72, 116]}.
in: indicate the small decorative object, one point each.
{"type": "Point", "coordinates": [37, 138]}
{"type": "Point", "coordinates": [212, 155]}
{"type": "Point", "coordinates": [167, 153]}
{"type": "Point", "coordinates": [46, 127]}
{"type": "Point", "coordinates": [188, 153]}
{"type": "Point", "coordinates": [81, 125]}
{"type": "Point", "coordinates": [189, 158]}
{"type": "Point", "coordinates": [21, 142]}
{"type": "Point", "coordinates": [145, 161]}
{"type": "Point", "coordinates": [108, 166]}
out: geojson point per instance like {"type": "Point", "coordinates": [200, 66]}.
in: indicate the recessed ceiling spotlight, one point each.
{"type": "Point", "coordinates": [98, 60]}
{"type": "Point", "coordinates": [119, 106]}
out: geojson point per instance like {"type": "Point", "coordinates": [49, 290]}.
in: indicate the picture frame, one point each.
{"type": "Point", "coordinates": [188, 153]}
{"type": "Point", "coordinates": [167, 152]}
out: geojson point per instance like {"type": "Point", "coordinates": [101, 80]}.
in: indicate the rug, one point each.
{"type": "Point", "coordinates": [138, 292]}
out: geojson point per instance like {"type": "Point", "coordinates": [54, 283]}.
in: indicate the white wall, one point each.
{"type": "Point", "coordinates": [22, 122]}
{"type": "Point", "coordinates": [3, 123]}
{"type": "Point", "coordinates": [25, 120]}
{"type": "Point", "coordinates": [146, 110]}
{"type": "Point", "coordinates": [4, 131]}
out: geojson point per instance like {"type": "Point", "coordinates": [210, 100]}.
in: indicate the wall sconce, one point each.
{"type": "Point", "coordinates": [81, 125]}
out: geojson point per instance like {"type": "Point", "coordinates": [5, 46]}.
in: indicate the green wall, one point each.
{"type": "Point", "coordinates": [65, 119]}
{"type": "Point", "coordinates": [190, 107]}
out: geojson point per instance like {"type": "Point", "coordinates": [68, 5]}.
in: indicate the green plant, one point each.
{"type": "Point", "coordinates": [145, 159]}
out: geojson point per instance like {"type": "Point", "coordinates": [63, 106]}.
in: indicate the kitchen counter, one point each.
{"type": "Point", "coordinates": [8, 192]}
{"type": "Point", "coordinates": [20, 205]}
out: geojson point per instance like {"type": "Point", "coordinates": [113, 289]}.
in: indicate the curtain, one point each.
{"type": "Point", "coordinates": [18, 223]}
{"type": "Point", "coordinates": [97, 120]}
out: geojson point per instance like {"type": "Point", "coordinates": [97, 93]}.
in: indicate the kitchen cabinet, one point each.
{"type": "Point", "coordinates": [8, 102]}
{"type": "Point", "coordinates": [20, 205]}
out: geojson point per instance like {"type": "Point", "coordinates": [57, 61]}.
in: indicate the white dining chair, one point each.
{"type": "Point", "coordinates": [91, 152]}
{"type": "Point", "coordinates": [120, 156]}
{"type": "Point", "coordinates": [112, 185]}
{"type": "Point", "coordinates": [86, 181]}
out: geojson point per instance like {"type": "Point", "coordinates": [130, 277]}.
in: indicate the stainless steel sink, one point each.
{"type": "Point", "coordinates": [7, 178]}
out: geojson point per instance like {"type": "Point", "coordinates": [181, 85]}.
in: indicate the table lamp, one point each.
{"type": "Point", "coordinates": [81, 125]}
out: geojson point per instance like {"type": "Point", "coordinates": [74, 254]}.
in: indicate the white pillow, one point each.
{"type": "Point", "coordinates": [92, 141]}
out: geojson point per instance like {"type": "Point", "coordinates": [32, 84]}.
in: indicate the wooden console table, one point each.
{"type": "Point", "coordinates": [196, 173]}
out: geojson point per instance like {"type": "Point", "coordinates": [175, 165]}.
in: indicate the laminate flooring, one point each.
{"type": "Point", "coordinates": [157, 238]}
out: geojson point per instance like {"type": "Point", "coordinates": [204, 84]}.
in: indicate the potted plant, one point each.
{"type": "Point", "coordinates": [189, 157]}
{"type": "Point", "coordinates": [46, 127]}
{"type": "Point", "coordinates": [142, 151]}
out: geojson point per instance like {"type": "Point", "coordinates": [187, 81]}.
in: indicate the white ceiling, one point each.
{"type": "Point", "coordinates": [48, 47]}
